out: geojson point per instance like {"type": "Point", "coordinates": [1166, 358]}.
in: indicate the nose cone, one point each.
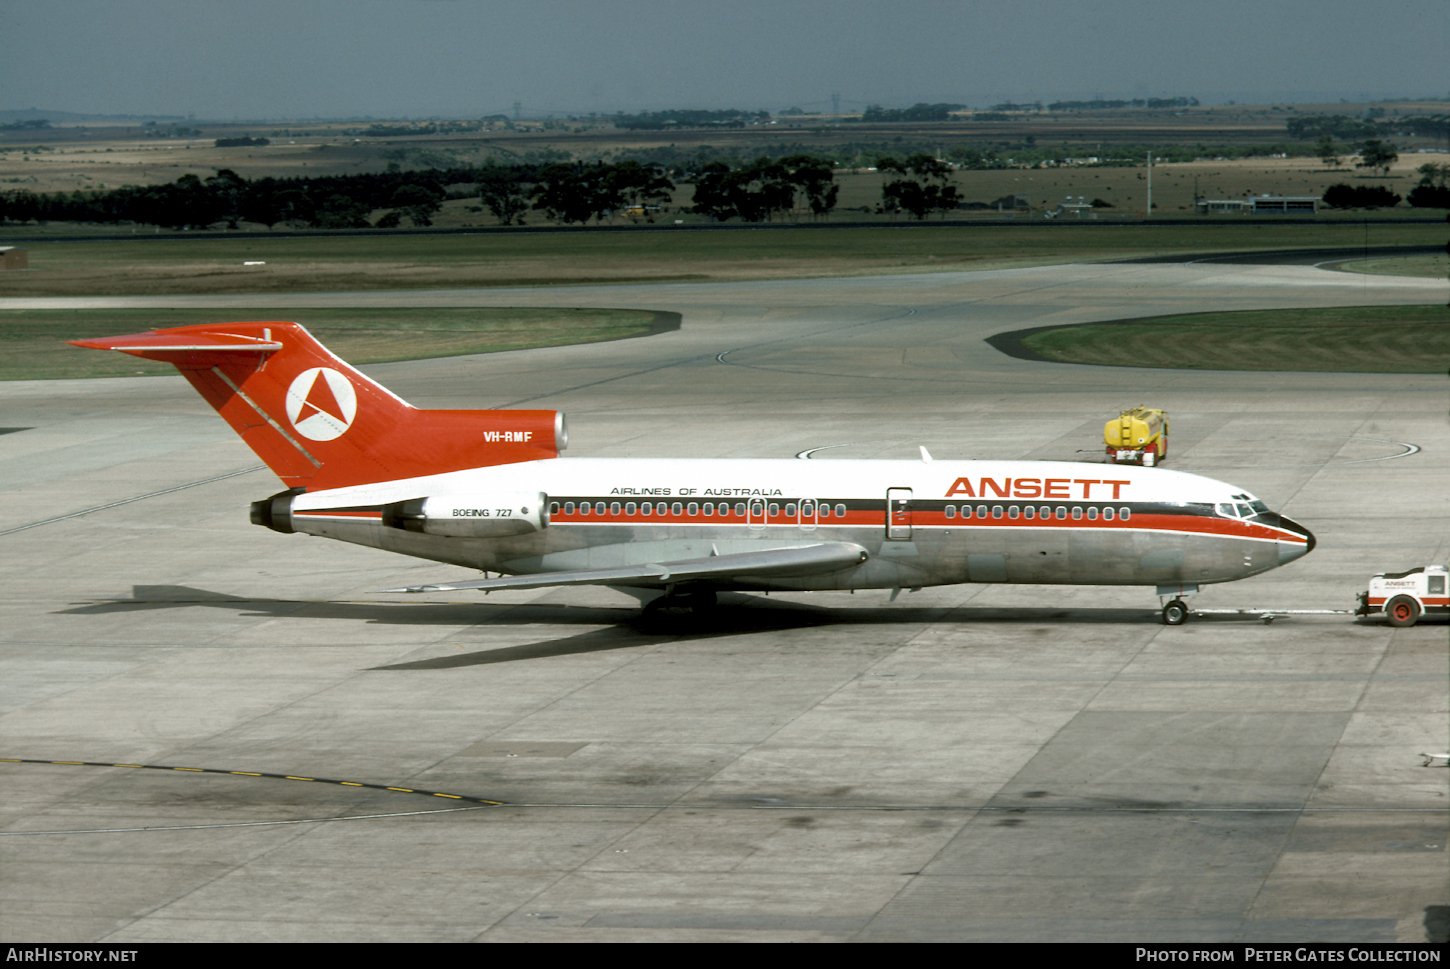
{"type": "Point", "coordinates": [1289, 549]}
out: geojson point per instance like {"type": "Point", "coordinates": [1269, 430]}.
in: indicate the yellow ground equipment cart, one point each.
{"type": "Point", "coordinates": [1137, 436]}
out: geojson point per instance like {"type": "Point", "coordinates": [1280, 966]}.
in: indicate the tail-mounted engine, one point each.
{"type": "Point", "coordinates": [472, 516]}
{"type": "Point", "coordinates": [276, 512]}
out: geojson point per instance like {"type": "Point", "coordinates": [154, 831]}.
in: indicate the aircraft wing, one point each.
{"type": "Point", "coordinates": [772, 563]}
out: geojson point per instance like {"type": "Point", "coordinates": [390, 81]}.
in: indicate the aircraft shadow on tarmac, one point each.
{"type": "Point", "coordinates": [622, 628]}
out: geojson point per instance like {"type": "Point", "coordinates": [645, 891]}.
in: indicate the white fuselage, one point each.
{"type": "Point", "coordinates": [921, 522]}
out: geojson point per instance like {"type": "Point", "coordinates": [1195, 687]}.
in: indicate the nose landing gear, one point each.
{"type": "Point", "coordinates": [1175, 610]}
{"type": "Point", "coordinates": [1175, 613]}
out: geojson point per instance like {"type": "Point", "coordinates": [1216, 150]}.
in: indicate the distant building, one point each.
{"type": "Point", "coordinates": [1073, 210]}
{"type": "Point", "coordinates": [1211, 206]}
{"type": "Point", "coordinates": [13, 257]}
{"type": "Point", "coordinates": [1286, 204]}
{"type": "Point", "coordinates": [1262, 205]}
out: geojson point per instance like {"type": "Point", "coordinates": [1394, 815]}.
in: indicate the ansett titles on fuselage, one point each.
{"type": "Point", "coordinates": [1038, 488]}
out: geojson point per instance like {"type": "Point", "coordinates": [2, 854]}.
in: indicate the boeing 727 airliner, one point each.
{"type": "Point", "coordinates": [487, 490]}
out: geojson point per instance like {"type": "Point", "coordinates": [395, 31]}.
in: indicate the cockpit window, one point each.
{"type": "Point", "coordinates": [1226, 510]}
{"type": "Point", "coordinates": [1259, 507]}
{"type": "Point", "coordinates": [1244, 510]}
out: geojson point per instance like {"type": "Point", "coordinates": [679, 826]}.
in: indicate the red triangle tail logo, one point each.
{"type": "Point", "coordinates": [320, 398]}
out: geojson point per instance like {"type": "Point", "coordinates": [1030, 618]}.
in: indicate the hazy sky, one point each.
{"type": "Point", "coordinates": [254, 59]}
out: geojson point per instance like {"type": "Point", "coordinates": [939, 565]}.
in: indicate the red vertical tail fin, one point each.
{"type": "Point", "coordinates": [318, 423]}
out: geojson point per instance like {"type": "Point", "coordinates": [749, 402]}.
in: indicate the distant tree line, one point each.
{"type": "Point", "coordinates": [765, 189]}
{"type": "Point", "coordinates": [1433, 192]}
{"type": "Point", "coordinates": [1314, 126]}
{"type": "Point", "coordinates": [243, 142]}
{"type": "Point", "coordinates": [1356, 129]}
{"type": "Point", "coordinates": [568, 192]}
{"type": "Point", "coordinates": [192, 202]}
{"type": "Point", "coordinates": [1359, 197]}
{"type": "Point", "coordinates": [1099, 104]}
{"type": "Point", "coordinates": [920, 185]}
{"type": "Point", "coordinates": [875, 113]}
{"type": "Point", "coordinates": [660, 120]}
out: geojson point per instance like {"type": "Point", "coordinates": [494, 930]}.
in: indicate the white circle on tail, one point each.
{"type": "Point", "coordinates": [321, 404]}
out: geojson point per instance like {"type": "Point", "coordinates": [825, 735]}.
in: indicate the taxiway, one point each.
{"type": "Point", "coordinates": [967, 763]}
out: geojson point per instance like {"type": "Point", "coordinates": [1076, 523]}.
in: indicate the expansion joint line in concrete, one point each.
{"type": "Point", "coordinates": [127, 501]}
{"type": "Point", "coordinates": [260, 774]}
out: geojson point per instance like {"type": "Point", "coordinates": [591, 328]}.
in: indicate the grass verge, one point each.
{"type": "Point", "coordinates": [1350, 339]}
{"type": "Point", "coordinates": [32, 342]}
{"type": "Point", "coordinates": [1436, 266]}
{"type": "Point", "coordinates": [177, 265]}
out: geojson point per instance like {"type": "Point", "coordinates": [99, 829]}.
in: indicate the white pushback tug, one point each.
{"type": "Point", "coordinates": [1404, 597]}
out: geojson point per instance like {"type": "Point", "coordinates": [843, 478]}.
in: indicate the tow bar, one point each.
{"type": "Point", "coordinates": [1269, 615]}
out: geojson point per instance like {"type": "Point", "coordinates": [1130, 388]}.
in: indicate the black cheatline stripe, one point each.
{"type": "Point", "coordinates": [250, 773]}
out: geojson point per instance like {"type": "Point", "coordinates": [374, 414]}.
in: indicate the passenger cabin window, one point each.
{"type": "Point", "coordinates": [1092, 514]}
{"type": "Point", "coordinates": [553, 508]}
{"type": "Point", "coordinates": [599, 508]}
{"type": "Point", "coordinates": [1061, 513]}
{"type": "Point", "coordinates": [568, 507]}
{"type": "Point", "coordinates": [629, 508]}
{"type": "Point", "coordinates": [614, 508]}
{"type": "Point", "coordinates": [996, 511]}
{"type": "Point", "coordinates": [1107, 514]}
{"type": "Point", "coordinates": [740, 509]}
{"type": "Point", "coordinates": [840, 510]}
{"type": "Point", "coordinates": [1029, 512]}
{"type": "Point", "coordinates": [951, 511]}
{"type": "Point", "coordinates": [1076, 513]}
{"type": "Point", "coordinates": [694, 508]}
{"type": "Point", "coordinates": [790, 510]}
{"type": "Point", "coordinates": [1124, 513]}
{"type": "Point", "coordinates": [709, 508]}
{"type": "Point", "coordinates": [982, 511]}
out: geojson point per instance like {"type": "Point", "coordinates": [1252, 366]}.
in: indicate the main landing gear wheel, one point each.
{"type": "Point", "coordinates": [1175, 613]}
{"type": "Point", "coordinates": [1402, 611]}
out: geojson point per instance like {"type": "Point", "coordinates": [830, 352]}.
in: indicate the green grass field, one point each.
{"type": "Point", "coordinates": [1434, 266]}
{"type": "Point", "coordinates": [362, 263]}
{"type": "Point", "coordinates": [32, 342]}
{"type": "Point", "coordinates": [1380, 339]}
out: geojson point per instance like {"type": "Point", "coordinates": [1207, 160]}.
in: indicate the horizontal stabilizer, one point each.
{"type": "Point", "coordinates": [142, 344]}
{"type": "Point", "coordinates": [773, 563]}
